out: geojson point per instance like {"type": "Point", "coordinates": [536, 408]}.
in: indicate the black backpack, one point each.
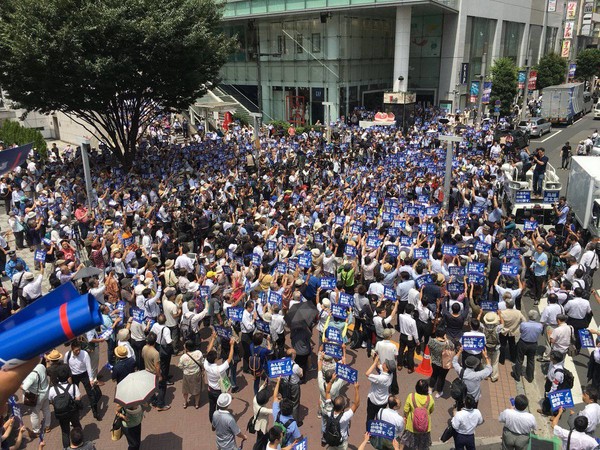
{"type": "Point", "coordinates": [458, 388]}
{"type": "Point", "coordinates": [283, 427]}
{"type": "Point", "coordinates": [568, 379]}
{"type": "Point", "coordinates": [186, 328]}
{"type": "Point", "coordinates": [255, 363]}
{"type": "Point", "coordinates": [64, 403]}
{"type": "Point", "coordinates": [333, 431]}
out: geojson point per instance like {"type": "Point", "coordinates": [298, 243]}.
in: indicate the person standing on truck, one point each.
{"type": "Point", "coordinates": [561, 209]}
{"type": "Point", "coordinates": [566, 156]}
{"type": "Point", "coordinates": [541, 161]}
{"type": "Point", "coordinates": [588, 145]}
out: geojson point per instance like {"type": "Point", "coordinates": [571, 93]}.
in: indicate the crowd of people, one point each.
{"type": "Point", "coordinates": [212, 253]}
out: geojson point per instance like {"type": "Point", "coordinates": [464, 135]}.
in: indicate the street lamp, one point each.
{"type": "Point", "coordinates": [259, 75]}
{"type": "Point", "coordinates": [328, 106]}
{"type": "Point", "coordinates": [481, 81]}
{"type": "Point", "coordinates": [448, 173]}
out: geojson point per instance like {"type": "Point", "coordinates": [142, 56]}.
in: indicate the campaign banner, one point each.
{"type": "Point", "coordinates": [392, 250]}
{"type": "Point", "coordinates": [280, 367]}
{"type": "Point", "coordinates": [333, 334]}
{"type": "Point", "coordinates": [290, 241]}
{"type": "Point", "coordinates": [281, 267]}
{"type": "Point", "coordinates": [473, 343]}
{"type": "Point", "coordinates": [40, 256]}
{"type": "Point", "coordinates": [476, 279]}
{"type": "Point", "coordinates": [223, 332]}
{"type": "Point", "coordinates": [293, 264]}
{"type": "Point", "coordinates": [456, 271]}
{"type": "Point", "coordinates": [509, 270]}
{"type": "Point", "coordinates": [563, 398]}
{"type": "Point", "coordinates": [131, 271]}
{"type": "Point", "coordinates": [305, 260]}
{"type": "Point", "coordinates": [373, 242]}
{"type": "Point", "coordinates": [482, 246]}
{"type": "Point", "coordinates": [586, 338]}
{"type": "Point", "coordinates": [235, 314]}
{"type": "Point", "coordinates": [340, 220]}
{"type": "Point", "coordinates": [421, 253]}
{"type": "Point", "coordinates": [389, 293]}
{"type": "Point", "coordinates": [346, 373]}
{"type": "Point", "coordinates": [274, 297]}
{"type": "Point", "coordinates": [302, 445]}
{"type": "Point", "coordinates": [530, 225]}
{"type": "Point", "coordinates": [339, 312]}
{"type": "Point", "coordinates": [137, 314]}
{"type": "Point", "coordinates": [487, 92]}
{"type": "Point", "coordinates": [423, 280]}
{"type": "Point", "coordinates": [552, 5]}
{"type": "Point", "coordinates": [11, 158]}
{"type": "Point", "coordinates": [532, 82]}
{"type": "Point", "coordinates": [450, 250]}
{"type": "Point", "coordinates": [521, 79]}
{"type": "Point", "coordinates": [318, 237]}
{"type": "Point", "coordinates": [204, 292]}
{"type": "Point", "coordinates": [523, 197]}
{"type": "Point", "coordinates": [382, 429]}
{"type": "Point", "coordinates": [387, 217]}
{"type": "Point", "coordinates": [302, 231]}
{"type": "Point", "coordinates": [407, 241]}
{"type": "Point", "coordinates": [474, 91]}
{"type": "Point", "coordinates": [263, 326]}
{"type": "Point", "coordinates": [513, 253]}
{"type": "Point", "coordinates": [271, 246]}
{"type": "Point", "coordinates": [227, 270]}
{"type": "Point", "coordinates": [346, 300]}
{"type": "Point", "coordinates": [350, 251]}
{"type": "Point", "coordinates": [394, 232]}
{"type": "Point", "coordinates": [489, 306]}
{"type": "Point", "coordinates": [455, 288]}
{"type": "Point", "coordinates": [256, 259]}
{"type": "Point", "coordinates": [476, 268]}
{"type": "Point", "coordinates": [328, 283]}
{"type": "Point", "coordinates": [333, 350]}
{"type": "Point", "coordinates": [477, 210]}
{"type": "Point", "coordinates": [551, 196]}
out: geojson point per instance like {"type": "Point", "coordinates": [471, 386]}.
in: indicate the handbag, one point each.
{"type": "Point", "coordinates": [252, 422]}
{"type": "Point", "coordinates": [448, 433]}
{"type": "Point", "coordinates": [29, 398]}
{"type": "Point", "coordinates": [116, 431]}
{"type": "Point", "coordinates": [224, 383]}
{"type": "Point", "coordinates": [572, 350]}
{"type": "Point", "coordinates": [448, 355]}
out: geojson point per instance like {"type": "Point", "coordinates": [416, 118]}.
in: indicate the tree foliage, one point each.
{"type": "Point", "coordinates": [13, 133]}
{"type": "Point", "coordinates": [588, 63]}
{"type": "Point", "coordinates": [504, 84]}
{"type": "Point", "coordinates": [109, 64]}
{"type": "Point", "coordinates": [551, 70]}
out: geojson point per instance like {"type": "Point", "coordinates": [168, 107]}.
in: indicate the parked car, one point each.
{"type": "Point", "coordinates": [539, 126]}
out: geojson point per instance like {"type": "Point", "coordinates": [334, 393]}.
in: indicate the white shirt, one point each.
{"type": "Point", "coordinates": [79, 364]}
{"type": "Point", "coordinates": [589, 259]}
{"type": "Point", "coordinates": [277, 325]}
{"type": "Point", "coordinates": [408, 327]}
{"type": "Point", "coordinates": [213, 374]}
{"type": "Point", "coordinates": [592, 412]}
{"type": "Point", "coordinates": [519, 422]}
{"type": "Point", "coordinates": [550, 312]}
{"type": "Point", "coordinates": [577, 308]}
{"type": "Point", "coordinates": [73, 390]}
{"type": "Point", "coordinates": [579, 441]}
{"type": "Point", "coordinates": [380, 386]}
{"type": "Point", "coordinates": [170, 309]}
{"type": "Point", "coordinates": [391, 416]}
{"type": "Point", "coordinates": [466, 420]}
{"type": "Point", "coordinates": [386, 350]}
{"type": "Point", "coordinates": [33, 289]}
{"type": "Point", "coordinates": [184, 262]}
{"type": "Point", "coordinates": [247, 322]}
{"type": "Point", "coordinates": [163, 334]}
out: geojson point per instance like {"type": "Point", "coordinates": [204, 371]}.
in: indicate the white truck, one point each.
{"type": "Point", "coordinates": [565, 103]}
{"type": "Point", "coordinates": [583, 192]}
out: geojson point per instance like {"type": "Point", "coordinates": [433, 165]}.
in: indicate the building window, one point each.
{"type": "Point", "coordinates": [281, 45]}
{"type": "Point", "coordinates": [299, 43]}
{"type": "Point", "coordinates": [316, 43]}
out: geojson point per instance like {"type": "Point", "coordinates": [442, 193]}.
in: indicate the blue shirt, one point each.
{"type": "Point", "coordinates": [531, 331]}
{"type": "Point", "coordinates": [10, 267]}
{"type": "Point", "coordinates": [540, 264]}
{"type": "Point", "coordinates": [293, 432]}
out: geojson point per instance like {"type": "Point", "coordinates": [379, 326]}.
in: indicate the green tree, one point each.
{"type": "Point", "coordinates": [13, 133]}
{"type": "Point", "coordinates": [551, 70]}
{"type": "Point", "coordinates": [588, 63]}
{"type": "Point", "coordinates": [108, 64]}
{"type": "Point", "coordinates": [504, 84]}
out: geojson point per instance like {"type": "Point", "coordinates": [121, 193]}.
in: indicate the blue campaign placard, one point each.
{"type": "Point", "coordinates": [223, 332]}
{"type": "Point", "coordinates": [340, 220]}
{"type": "Point", "coordinates": [423, 280]}
{"type": "Point", "coordinates": [509, 270]}
{"type": "Point", "coordinates": [387, 217]}
{"type": "Point", "coordinates": [551, 196]}
{"type": "Point", "coordinates": [473, 343]}
{"type": "Point", "coordinates": [360, 210]}
{"type": "Point", "coordinates": [457, 271]}
{"type": "Point", "coordinates": [204, 292]}
{"type": "Point", "coordinates": [523, 197]}
{"type": "Point", "coordinates": [530, 225]}
{"type": "Point", "coordinates": [302, 231]}
{"type": "Point", "coordinates": [451, 250]}
{"type": "Point", "coordinates": [432, 211]}
{"type": "Point", "coordinates": [346, 300]}
{"type": "Point", "coordinates": [293, 263]}
{"type": "Point", "coordinates": [137, 314]}
{"type": "Point", "coordinates": [290, 241]}
{"type": "Point", "coordinates": [412, 211]}
{"type": "Point", "coordinates": [262, 296]}
{"type": "Point", "coordinates": [477, 210]}
{"type": "Point", "coordinates": [350, 250]}
{"type": "Point", "coordinates": [256, 259]}
{"type": "Point", "coordinates": [339, 311]}
{"type": "Point", "coordinates": [455, 288]}
{"type": "Point", "coordinates": [333, 350]}
{"type": "Point", "coordinates": [328, 283]}
{"type": "Point", "coordinates": [421, 253]}
{"type": "Point", "coordinates": [476, 268]}
{"type": "Point", "coordinates": [346, 373]}
{"type": "Point", "coordinates": [586, 338]}
{"type": "Point", "coordinates": [356, 228]}
{"type": "Point", "coordinates": [280, 367]}
{"type": "Point", "coordinates": [476, 279]}
{"type": "Point", "coordinates": [318, 237]}
{"type": "Point", "coordinates": [482, 246]}
{"type": "Point", "coordinates": [382, 429]}
{"type": "Point", "coordinates": [392, 250]}
{"type": "Point", "coordinates": [235, 314]}
{"type": "Point", "coordinates": [281, 267]}
{"type": "Point", "coordinates": [513, 253]}
{"type": "Point", "coordinates": [271, 246]}
{"type": "Point", "coordinates": [399, 224]}
{"type": "Point", "coordinates": [406, 240]}
{"type": "Point", "coordinates": [302, 445]}
{"type": "Point", "coordinates": [394, 232]}
{"type": "Point", "coordinates": [489, 306]}
{"type": "Point", "coordinates": [563, 398]}
{"type": "Point", "coordinates": [227, 270]}
{"type": "Point", "coordinates": [131, 271]}
{"type": "Point", "coordinates": [274, 298]}
{"type": "Point", "coordinates": [305, 260]}
{"type": "Point", "coordinates": [333, 334]}
{"type": "Point", "coordinates": [263, 326]}
{"type": "Point", "coordinates": [373, 242]}
{"type": "Point", "coordinates": [389, 293]}
{"type": "Point", "coordinates": [40, 256]}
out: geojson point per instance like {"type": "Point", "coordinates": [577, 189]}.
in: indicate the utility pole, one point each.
{"type": "Point", "coordinates": [449, 140]}
{"type": "Point", "coordinates": [481, 81]}
{"type": "Point", "coordinates": [542, 48]}
{"type": "Point", "coordinates": [328, 106]}
{"type": "Point", "coordinates": [526, 85]}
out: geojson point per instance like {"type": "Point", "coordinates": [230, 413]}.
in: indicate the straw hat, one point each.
{"type": "Point", "coordinates": [54, 355]}
{"type": "Point", "coordinates": [121, 352]}
{"type": "Point", "coordinates": [491, 318]}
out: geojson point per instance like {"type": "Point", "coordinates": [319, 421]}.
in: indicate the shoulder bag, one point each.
{"type": "Point", "coordinates": [29, 398]}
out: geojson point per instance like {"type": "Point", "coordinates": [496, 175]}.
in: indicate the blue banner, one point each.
{"type": "Point", "coordinates": [421, 253]}
{"type": "Point", "coordinates": [560, 398]}
{"type": "Point", "coordinates": [487, 92]}
{"type": "Point", "coordinates": [333, 350]}
{"type": "Point", "coordinates": [513, 253]}
{"type": "Point", "coordinates": [530, 225]}
{"type": "Point", "coordinates": [456, 271]}
{"type": "Point", "coordinates": [382, 429]}
{"type": "Point", "coordinates": [223, 332]}
{"type": "Point", "coordinates": [373, 242]}
{"type": "Point", "coordinates": [523, 197]}
{"type": "Point", "coordinates": [587, 341]}
{"type": "Point", "coordinates": [346, 300]}
{"type": "Point", "coordinates": [12, 158]}
{"type": "Point", "coordinates": [423, 280]}
{"type": "Point", "coordinates": [482, 246]}
{"type": "Point", "coordinates": [302, 445]}
{"type": "Point", "coordinates": [392, 250]}
{"type": "Point", "coordinates": [137, 314]}
{"type": "Point", "coordinates": [346, 373]}
{"type": "Point", "coordinates": [455, 288]}
{"type": "Point", "coordinates": [328, 283]}
{"type": "Point", "coordinates": [281, 267]}
{"type": "Point", "coordinates": [274, 297]}
{"type": "Point", "coordinates": [263, 326]}
{"type": "Point", "coordinates": [476, 268]}
{"type": "Point", "coordinates": [389, 293]}
{"type": "Point", "coordinates": [40, 256]}
{"type": "Point", "coordinates": [339, 312]}
{"type": "Point", "coordinates": [476, 279]}
{"type": "Point", "coordinates": [280, 367]}
{"type": "Point", "coordinates": [451, 250]}
{"type": "Point", "coordinates": [235, 314]}
{"type": "Point", "coordinates": [256, 259]}
{"type": "Point", "coordinates": [350, 250]}
{"type": "Point", "coordinates": [489, 306]}
{"type": "Point", "coordinates": [305, 260]}
{"type": "Point", "coordinates": [551, 196]}
{"type": "Point", "coordinates": [509, 270]}
{"type": "Point", "coordinates": [334, 335]}
{"type": "Point", "coordinates": [473, 343]}
{"type": "Point", "coordinates": [227, 270]}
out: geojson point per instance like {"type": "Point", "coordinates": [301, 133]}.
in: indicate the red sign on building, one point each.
{"type": "Point", "coordinates": [532, 80]}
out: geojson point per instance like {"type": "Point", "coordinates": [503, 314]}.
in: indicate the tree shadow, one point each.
{"type": "Point", "coordinates": [163, 440]}
{"type": "Point", "coordinates": [91, 432]}
{"type": "Point", "coordinates": [239, 415]}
